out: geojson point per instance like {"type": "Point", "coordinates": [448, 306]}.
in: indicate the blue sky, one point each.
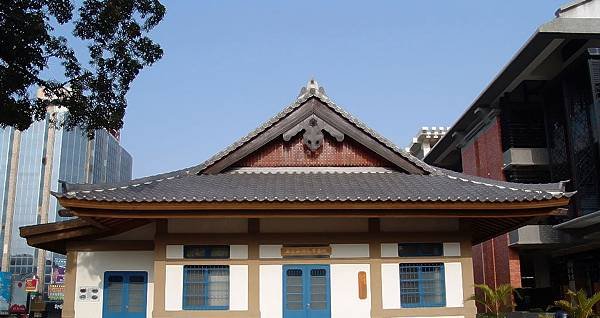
{"type": "Point", "coordinates": [398, 65]}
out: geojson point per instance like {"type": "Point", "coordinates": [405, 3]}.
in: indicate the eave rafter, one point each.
{"type": "Point", "coordinates": [441, 207]}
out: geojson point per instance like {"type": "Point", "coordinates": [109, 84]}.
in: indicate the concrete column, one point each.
{"type": "Point", "coordinates": [89, 161]}
{"type": "Point", "coordinates": [46, 187]}
{"type": "Point", "coordinates": [11, 196]}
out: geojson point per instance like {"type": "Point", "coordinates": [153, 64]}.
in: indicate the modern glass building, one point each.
{"type": "Point", "coordinates": [72, 158]}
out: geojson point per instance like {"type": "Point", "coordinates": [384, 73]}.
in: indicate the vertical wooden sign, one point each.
{"type": "Point", "coordinates": [362, 285]}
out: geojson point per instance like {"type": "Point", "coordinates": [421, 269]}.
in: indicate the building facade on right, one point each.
{"type": "Point", "coordinates": [538, 121]}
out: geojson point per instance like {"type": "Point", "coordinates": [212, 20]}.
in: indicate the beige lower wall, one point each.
{"type": "Point", "coordinates": [155, 262]}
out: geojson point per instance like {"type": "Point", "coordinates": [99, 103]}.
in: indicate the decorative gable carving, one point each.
{"type": "Point", "coordinates": [313, 127]}
{"type": "Point", "coordinates": [332, 153]}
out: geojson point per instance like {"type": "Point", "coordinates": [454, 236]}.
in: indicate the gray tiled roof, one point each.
{"type": "Point", "coordinates": [321, 186]}
{"type": "Point", "coordinates": [190, 185]}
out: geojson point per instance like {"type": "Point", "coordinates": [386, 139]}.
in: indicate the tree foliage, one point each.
{"type": "Point", "coordinates": [496, 301]}
{"type": "Point", "coordinates": [578, 305]}
{"type": "Point", "coordinates": [93, 90]}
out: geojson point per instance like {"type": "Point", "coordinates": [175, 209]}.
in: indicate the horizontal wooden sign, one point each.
{"type": "Point", "coordinates": [298, 251]}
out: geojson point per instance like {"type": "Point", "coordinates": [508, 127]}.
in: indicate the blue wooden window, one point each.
{"type": "Point", "coordinates": [206, 251]}
{"type": "Point", "coordinates": [206, 287]}
{"type": "Point", "coordinates": [420, 249]}
{"type": "Point", "coordinates": [422, 285]}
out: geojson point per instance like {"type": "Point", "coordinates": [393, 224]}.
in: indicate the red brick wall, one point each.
{"type": "Point", "coordinates": [483, 157]}
{"type": "Point", "coordinates": [493, 261]}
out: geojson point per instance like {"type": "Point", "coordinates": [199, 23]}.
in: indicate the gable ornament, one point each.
{"type": "Point", "coordinates": [313, 137]}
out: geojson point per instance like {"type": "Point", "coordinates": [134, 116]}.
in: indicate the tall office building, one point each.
{"type": "Point", "coordinates": [32, 163]}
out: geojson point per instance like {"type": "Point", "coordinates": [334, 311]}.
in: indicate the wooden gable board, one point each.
{"type": "Point", "coordinates": [313, 106]}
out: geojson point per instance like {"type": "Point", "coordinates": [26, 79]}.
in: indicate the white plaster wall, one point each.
{"type": "Point", "coordinates": [238, 287]}
{"type": "Point", "coordinates": [451, 248]}
{"type": "Point", "coordinates": [349, 250]}
{"type": "Point", "coordinates": [238, 251]}
{"type": "Point", "coordinates": [173, 287]}
{"type": "Point", "coordinates": [454, 285]}
{"type": "Point", "coordinates": [271, 291]}
{"type": "Point", "coordinates": [390, 285]}
{"type": "Point", "coordinates": [344, 291]}
{"type": "Point", "coordinates": [208, 226]}
{"type": "Point", "coordinates": [389, 249]}
{"type": "Point", "coordinates": [270, 251]}
{"type": "Point", "coordinates": [91, 267]}
{"type": "Point", "coordinates": [174, 251]}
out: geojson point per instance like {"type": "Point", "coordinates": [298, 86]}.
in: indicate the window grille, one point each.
{"type": "Point", "coordinates": [422, 285]}
{"type": "Point", "coordinates": [206, 287]}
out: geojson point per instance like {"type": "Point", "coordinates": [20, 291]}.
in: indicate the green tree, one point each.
{"type": "Point", "coordinates": [496, 301]}
{"type": "Point", "coordinates": [578, 305]}
{"type": "Point", "coordinates": [93, 89]}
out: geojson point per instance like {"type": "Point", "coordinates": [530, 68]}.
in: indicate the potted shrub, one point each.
{"type": "Point", "coordinates": [496, 301]}
{"type": "Point", "coordinates": [578, 305]}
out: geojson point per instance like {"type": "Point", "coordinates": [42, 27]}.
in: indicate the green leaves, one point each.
{"type": "Point", "coordinates": [578, 305]}
{"type": "Point", "coordinates": [94, 91]}
{"type": "Point", "coordinates": [496, 301]}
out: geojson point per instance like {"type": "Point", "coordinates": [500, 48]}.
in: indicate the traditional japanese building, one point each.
{"type": "Point", "coordinates": [313, 214]}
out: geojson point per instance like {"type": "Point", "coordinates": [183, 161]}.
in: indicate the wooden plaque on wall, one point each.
{"type": "Point", "coordinates": [362, 285]}
{"type": "Point", "coordinates": [305, 251]}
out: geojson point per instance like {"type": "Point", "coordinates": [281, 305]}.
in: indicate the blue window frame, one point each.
{"type": "Point", "coordinates": [206, 251]}
{"type": "Point", "coordinates": [422, 285]}
{"type": "Point", "coordinates": [206, 287]}
{"type": "Point", "coordinates": [420, 249]}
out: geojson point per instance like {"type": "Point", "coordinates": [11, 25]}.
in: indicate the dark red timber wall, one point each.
{"type": "Point", "coordinates": [494, 263]}
{"type": "Point", "coordinates": [293, 153]}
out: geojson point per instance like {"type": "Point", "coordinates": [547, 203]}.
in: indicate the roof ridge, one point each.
{"type": "Point", "coordinates": [304, 96]}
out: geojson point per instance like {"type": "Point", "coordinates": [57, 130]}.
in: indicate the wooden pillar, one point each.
{"type": "Point", "coordinates": [375, 269]}
{"type": "Point", "coordinates": [68, 310]}
{"type": "Point", "coordinates": [160, 257]}
{"type": "Point", "coordinates": [253, 280]}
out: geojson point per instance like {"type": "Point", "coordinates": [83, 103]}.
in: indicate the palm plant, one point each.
{"type": "Point", "coordinates": [578, 305]}
{"type": "Point", "coordinates": [497, 301]}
